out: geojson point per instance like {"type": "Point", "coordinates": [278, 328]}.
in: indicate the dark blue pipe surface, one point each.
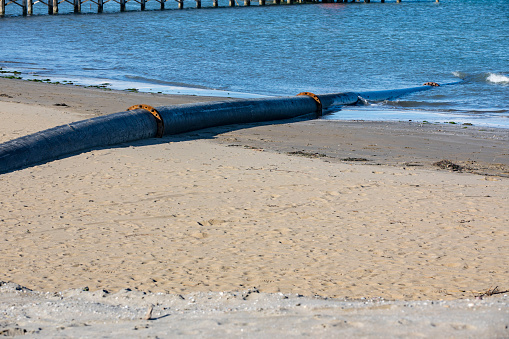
{"type": "Point", "coordinates": [51, 143]}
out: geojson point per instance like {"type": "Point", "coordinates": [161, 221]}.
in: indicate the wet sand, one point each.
{"type": "Point", "coordinates": [335, 209]}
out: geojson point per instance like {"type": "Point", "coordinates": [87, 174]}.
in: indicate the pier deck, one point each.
{"type": "Point", "coordinates": [27, 6]}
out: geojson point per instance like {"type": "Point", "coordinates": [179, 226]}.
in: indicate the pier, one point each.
{"type": "Point", "coordinates": [27, 6]}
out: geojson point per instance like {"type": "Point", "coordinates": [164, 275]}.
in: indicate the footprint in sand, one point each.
{"type": "Point", "coordinates": [199, 235]}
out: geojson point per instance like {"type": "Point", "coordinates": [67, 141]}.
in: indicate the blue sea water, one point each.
{"type": "Point", "coordinates": [282, 50]}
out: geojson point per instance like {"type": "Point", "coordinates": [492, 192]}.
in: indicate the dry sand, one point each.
{"type": "Point", "coordinates": [276, 208]}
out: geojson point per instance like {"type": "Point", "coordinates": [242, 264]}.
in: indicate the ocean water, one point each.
{"type": "Point", "coordinates": [281, 50]}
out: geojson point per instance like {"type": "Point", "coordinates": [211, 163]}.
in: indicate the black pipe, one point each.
{"type": "Point", "coordinates": [140, 124]}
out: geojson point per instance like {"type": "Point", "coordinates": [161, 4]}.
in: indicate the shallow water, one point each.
{"type": "Point", "coordinates": [283, 50]}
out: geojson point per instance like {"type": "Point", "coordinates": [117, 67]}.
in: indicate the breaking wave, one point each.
{"type": "Point", "coordinates": [498, 78]}
{"type": "Point", "coordinates": [489, 77]}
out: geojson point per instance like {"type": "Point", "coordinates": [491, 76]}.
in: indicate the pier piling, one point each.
{"type": "Point", "coordinates": [77, 6]}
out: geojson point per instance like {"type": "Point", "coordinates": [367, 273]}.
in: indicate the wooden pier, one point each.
{"type": "Point", "coordinates": [27, 6]}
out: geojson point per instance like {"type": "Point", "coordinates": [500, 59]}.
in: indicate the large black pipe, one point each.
{"type": "Point", "coordinates": [140, 124]}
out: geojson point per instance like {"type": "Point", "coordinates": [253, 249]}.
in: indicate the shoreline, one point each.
{"type": "Point", "coordinates": [283, 208]}
{"type": "Point", "coordinates": [347, 113]}
{"type": "Point", "coordinates": [88, 101]}
{"type": "Point", "coordinates": [132, 86]}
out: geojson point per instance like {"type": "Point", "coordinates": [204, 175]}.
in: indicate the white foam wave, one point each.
{"type": "Point", "coordinates": [498, 78]}
{"type": "Point", "coordinates": [460, 75]}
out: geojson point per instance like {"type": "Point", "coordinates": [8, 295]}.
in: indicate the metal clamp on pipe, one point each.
{"type": "Point", "coordinates": [155, 113]}
{"type": "Point", "coordinates": [319, 110]}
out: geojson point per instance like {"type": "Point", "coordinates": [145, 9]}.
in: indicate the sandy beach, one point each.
{"type": "Point", "coordinates": [315, 213]}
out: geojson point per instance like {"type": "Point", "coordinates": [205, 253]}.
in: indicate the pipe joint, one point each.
{"type": "Point", "coordinates": [319, 107]}
{"type": "Point", "coordinates": [155, 113]}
